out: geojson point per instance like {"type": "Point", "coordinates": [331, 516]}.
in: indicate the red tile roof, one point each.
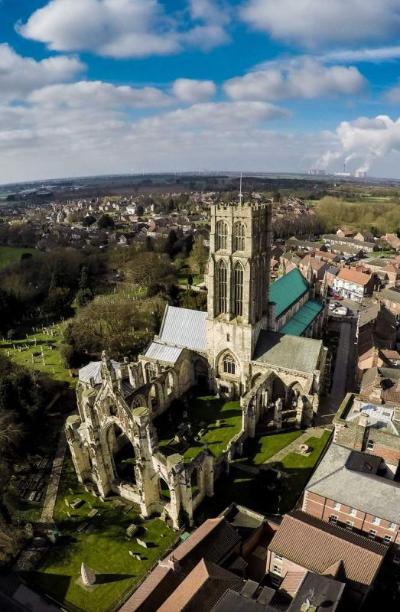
{"type": "Point", "coordinates": [353, 276]}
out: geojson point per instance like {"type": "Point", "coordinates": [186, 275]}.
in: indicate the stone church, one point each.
{"type": "Point", "coordinates": [256, 343]}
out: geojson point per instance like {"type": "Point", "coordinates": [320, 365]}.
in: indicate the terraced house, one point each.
{"type": "Point", "coordinates": [161, 430]}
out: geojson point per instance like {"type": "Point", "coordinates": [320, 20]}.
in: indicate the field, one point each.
{"type": "Point", "coordinates": [40, 351]}
{"type": "Point", "coordinates": [99, 541]}
{"type": "Point", "coordinates": [10, 255]}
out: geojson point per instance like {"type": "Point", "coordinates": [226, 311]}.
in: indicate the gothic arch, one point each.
{"type": "Point", "coordinates": [164, 490]}
{"type": "Point", "coordinates": [150, 371]}
{"type": "Point", "coordinates": [221, 236]}
{"type": "Point", "coordinates": [155, 396]}
{"type": "Point", "coordinates": [228, 364]}
{"type": "Point", "coordinates": [138, 402]}
{"type": "Point", "coordinates": [120, 452]}
{"type": "Point", "coordinates": [222, 287]}
{"type": "Point", "coordinates": [238, 280]}
{"type": "Point", "coordinates": [171, 384]}
{"type": "Point", "coordinates": [278, 389]}
{"type": "Point", "coordinates": [239, 233]}
{"type": "Point", "coordinates": [293, 391]}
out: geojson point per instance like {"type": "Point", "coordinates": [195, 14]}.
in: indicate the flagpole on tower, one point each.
{"type": "Point", "coordinates": [240, 188]}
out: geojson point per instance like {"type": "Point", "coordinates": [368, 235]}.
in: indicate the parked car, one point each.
{"type": "Point", "coordinates": [341, 311]}
{"type": "Point", "coordinates": [337, 296]}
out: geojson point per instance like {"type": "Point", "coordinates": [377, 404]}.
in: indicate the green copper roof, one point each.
{"type": "Point", "coordinates": [287, 290]}
{"type": "Point", "coordinates": [303, 318]}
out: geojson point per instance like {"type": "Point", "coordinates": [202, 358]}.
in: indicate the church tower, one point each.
{"type": "Point", "coordinates": [238, 289]}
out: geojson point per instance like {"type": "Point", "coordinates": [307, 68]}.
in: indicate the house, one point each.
{"type": "Point", "coordinates": [348, 490]}
{"type": "Point", "coordinates": [212, 543]}
{"type": "Point", "coordinates": [341, 244]}
{"type": "Point", "coordinates": [387, 270]}
{"type": "Point", "coordinates": [365, 422]}
{"type": "Point", "coordinates": [363, 237]}
{"type": "Point", "coordinates": [345, 232]}
{"type": "Point", "coordinates": [313, 268]}
{"type": "Point", "coordinates": [391, 299]}
{"type": "Point", "coordinates": [392, 240]}
{"type": "Point", "coordinates": [352, 284]}
{"type": "Point", "coordinates": [376, 338]}
{"type": "Point", "coordinates": [305, 543]}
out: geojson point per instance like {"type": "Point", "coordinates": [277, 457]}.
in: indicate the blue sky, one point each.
{"type": "Point", "coordinates": [103, 86]}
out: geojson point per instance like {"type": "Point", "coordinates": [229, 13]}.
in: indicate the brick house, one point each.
{"type": "Point", "coordinates": [306, 543]}
{"type": "Point", "coordinates": [391, 299]}
{"type": "Point", "coordinates": [347, 490]}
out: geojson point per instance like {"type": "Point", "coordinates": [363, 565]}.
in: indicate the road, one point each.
{"type": "Point", "coordinates": [343, 376]}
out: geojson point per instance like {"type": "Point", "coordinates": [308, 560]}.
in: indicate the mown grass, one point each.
{"type": "Point", "coordinates": [40, 352]}
{"type": "Point", "coordinates": [103, 546]}
{"type": "Point", "coordinates": [261, 449]}
{"type": "Point", "coordinates": [9, 255]}
{"type": "Point", "coordinates": [214, 422]}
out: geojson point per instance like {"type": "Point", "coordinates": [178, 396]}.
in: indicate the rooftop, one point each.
{"type": "Point", "coordinates": [93, 371]}
{"type": "Point", "coordinates": [287, 290]}
{"type": "Point", "coordinates": [326, 593]}
{"type": "Point", "coordinates": [339, 478]}
{"type": "Point", "coordinates": [303, 318]}
{"type": "Point", "coordinates": [184, 328]}
{"type": "Point", "coordinates": [163, 352]}
{"type": "Point", "coordinates": [286, 351]}
{"type": "Point", "coordinates": [354, 276]}
{"type": "Point", "coordinates": [324, 548]}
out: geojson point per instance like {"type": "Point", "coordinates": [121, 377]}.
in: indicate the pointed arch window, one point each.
{"type": "Point", "coordinates": [238, 289]}
{"type": "Point", "coordinates": [229, 365]}
{"type": "Point", "coordinates": [222, 288]}
{"type": "Point", "coordinates": [238, 237]}
{"type": "Point", "coordinates": [222, 235]}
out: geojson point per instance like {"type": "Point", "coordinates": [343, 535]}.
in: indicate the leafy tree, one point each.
{"type": "Point", "coordinates": [105, 222]}
{"type": "Point", "coordinates": [88, 220]}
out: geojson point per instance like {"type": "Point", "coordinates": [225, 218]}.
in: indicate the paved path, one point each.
{"type": "Point", "coordinates": [312, 432]}
{"type": "Point", "coordinates": [343, 374]}
{"type": "Point", "coordinates": [54, 480]}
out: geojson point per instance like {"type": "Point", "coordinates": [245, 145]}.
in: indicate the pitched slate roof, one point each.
{"type": "Point", "coordinates": [336, 478]}
{"type": "Point", "coordinates": [303, 318]}
{"type": "Point", "coordinates": [287, 290]}
{"type": "Point", "coordinates": [285, 351]}
{"type": "Point", "coordinates": [93, 370]}
{"type": "Point", "coordinates": [317, 546]}
{"type": "Point", "coordinates": [184, 328]}
{"type": "Point", "coordinates": [163, 352]}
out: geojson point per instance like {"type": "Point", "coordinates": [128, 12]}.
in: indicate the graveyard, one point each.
{"type": "Point", "coordinates": [39, 350]}
{"type": "Point", "coordinates": [115, 545]}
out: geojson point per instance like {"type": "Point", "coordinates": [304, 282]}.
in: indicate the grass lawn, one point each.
{"type": "Point", "coordinates": [261, 490]}
{"type": "Point", "coordinates": [10, 255]}
{"type": "Point", "coordinates": [28, 352]}
{"type": "Point", "coordinates": [203, 412]}
{"type": "Point", "coordinates": [259, 450]}
{"type": "Point", "coordinates": [103, 546]}
{"type": "Point", "coordinates": [299, 469]}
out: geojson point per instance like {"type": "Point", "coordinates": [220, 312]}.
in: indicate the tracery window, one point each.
{"type": "Point", "coordinates": [222, 288]}
{"type": "Point", "coordinates": [238, 289]}
{"type": "Point", "coordinates": [222, 235]}
{"type": "Point", "coordinates": [229, 365]}
{"type": "Point", "coordinates": [238, 237]}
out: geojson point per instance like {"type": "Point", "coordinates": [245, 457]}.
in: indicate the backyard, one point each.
{"type": "Point", "coordinates": [94, 532]}
{"type": "Point", "coordinates": [196, 421]}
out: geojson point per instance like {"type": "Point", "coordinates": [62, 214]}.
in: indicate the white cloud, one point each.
{"type": "Point", "coordinates": [99, 94]}
{"type": "Point", "coordinates": [301, 78]}
{"type": "Point", "coordinates": [314, 23]}
{"type": "Point", "coordinates": [86, 138]}
{"type": "Point", "coordinates": [20, 75]}
{"type": "Point", "coordinates": [123, 28]}
{"type": "Point", "coordinates": [373, 54]}
{"type": "Point", "coordinates": [366, 142]}
{"type": "Point", "coordinates": [393, 95]}
{"type": "Point", "coordinates": [191, 90]}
